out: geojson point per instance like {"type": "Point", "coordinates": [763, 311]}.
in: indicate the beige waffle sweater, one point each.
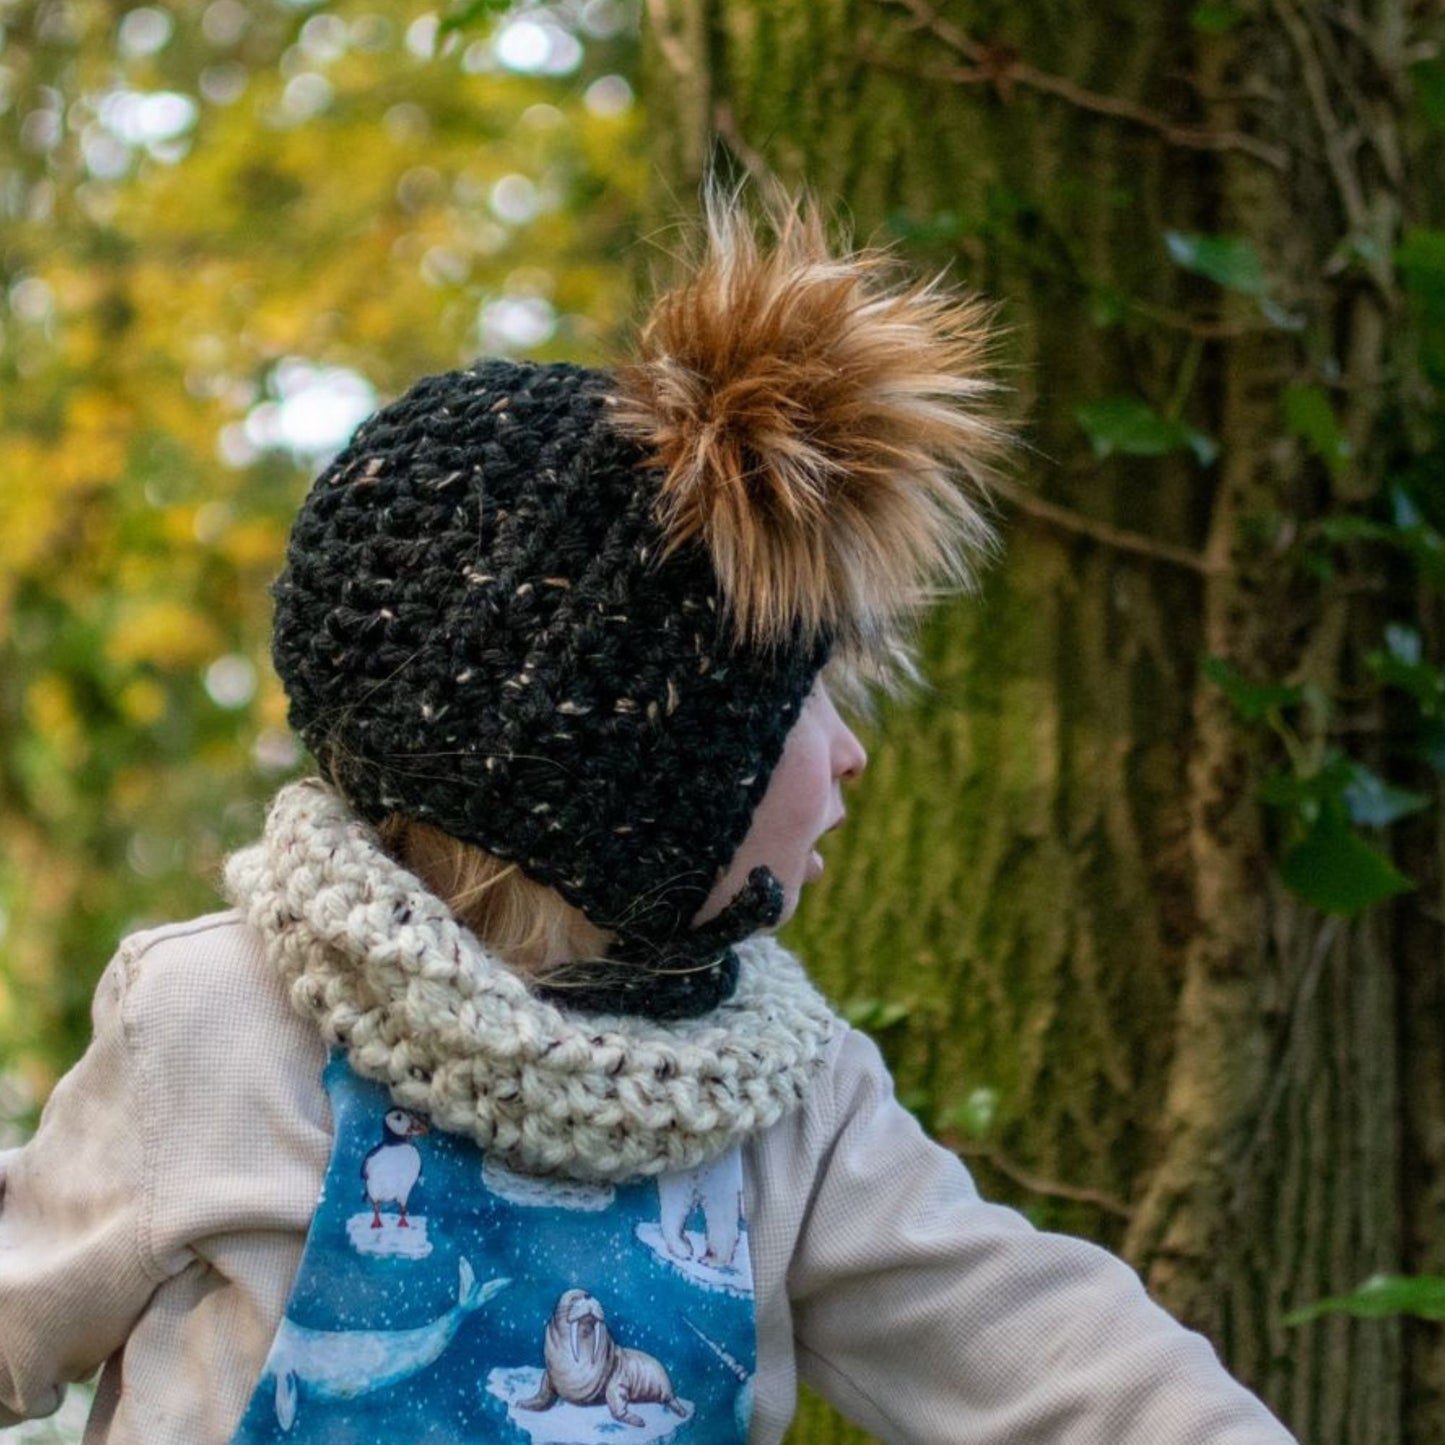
{"type": "Point", "coordinates": [155, 1223]}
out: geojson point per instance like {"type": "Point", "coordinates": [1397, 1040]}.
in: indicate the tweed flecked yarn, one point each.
{"type": "Point", "coordinates": [385, 970]}
{"type": "Point", "coordinates": [475, 628]}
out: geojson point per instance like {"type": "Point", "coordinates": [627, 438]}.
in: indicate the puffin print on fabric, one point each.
{"type": "Point", "coordinates": [443, 1297]}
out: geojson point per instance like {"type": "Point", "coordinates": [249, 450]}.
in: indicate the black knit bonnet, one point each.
{"type": "Point", "coordinates": [570, 615]}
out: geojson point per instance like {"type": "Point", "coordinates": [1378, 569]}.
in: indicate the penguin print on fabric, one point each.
{"type": "Point", "coordinates": [465, 1301]}
{"type": "Point", "coordinates": [389, 1173]}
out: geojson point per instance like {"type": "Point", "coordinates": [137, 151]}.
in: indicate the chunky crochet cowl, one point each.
{"type": "Point", "coordinates": [391, 977]}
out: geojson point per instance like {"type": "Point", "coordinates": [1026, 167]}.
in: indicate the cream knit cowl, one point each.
{"type": "Point", "coordinates": [390, 976]}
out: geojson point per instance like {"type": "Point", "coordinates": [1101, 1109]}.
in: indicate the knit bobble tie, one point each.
{"type": "Point", "coordinates": [697, 974]}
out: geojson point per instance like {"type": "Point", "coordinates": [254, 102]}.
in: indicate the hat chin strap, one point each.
{"type": "Point", "coordinates": [681, 977]}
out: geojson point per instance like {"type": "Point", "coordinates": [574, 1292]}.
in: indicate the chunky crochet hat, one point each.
{"type": "Point", "coordinates": [571, 615]}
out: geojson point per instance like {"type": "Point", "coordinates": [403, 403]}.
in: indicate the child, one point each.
{"type": "Point", "coordinates": [594, 1160]}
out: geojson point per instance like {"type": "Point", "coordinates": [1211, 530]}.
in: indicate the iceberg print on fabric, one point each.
{"type": "Point", "coordinates": [533, 1191]}
{"type": "Point", "coordinates": [715, 1257]}
{"type": "Point", "coordinates": [584, 1366]}
{"type": "Point", "coordinates": [341, 1364]}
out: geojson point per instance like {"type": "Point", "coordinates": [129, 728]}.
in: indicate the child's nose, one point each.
{"type": "Point", "coordinates": [852, 758]}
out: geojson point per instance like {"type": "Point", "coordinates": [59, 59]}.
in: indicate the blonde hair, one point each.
{"type": "Point", "coordinates": [525, 923]}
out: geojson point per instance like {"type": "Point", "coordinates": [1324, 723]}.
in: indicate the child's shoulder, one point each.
{"type": "Point", "coordinates": [213, 943]}
{"type": "Point", "coordinates": [191, 979]}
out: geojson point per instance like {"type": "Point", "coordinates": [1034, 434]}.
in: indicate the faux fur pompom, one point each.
{"type": "Point", "coordinates": [826, 429]}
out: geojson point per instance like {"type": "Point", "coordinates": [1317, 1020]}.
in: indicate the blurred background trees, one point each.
{"type": "Point", "coordinates": [1143, 898]}
{"type": "Point", "coordinates": [229, 230]}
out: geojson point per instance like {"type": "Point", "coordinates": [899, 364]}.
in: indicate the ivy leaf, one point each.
{"type": "Point", "coordinates": [1382, 1294]}
{"type": "Point", "coordinates": [1132, 427]}
{"type": "Point", "coordinates": [1409, 532]}
{"type": "Point", "coordinates": [1253, 700]}
{"type": "Point", "coordinates": [1424, 544]}
{"type": "Point", "coordinates": [1335, 870]}
{"type": "Point", "coordinates": [1375, 803]}
{"type": "Point", "coordinates": [1402, 666]}
{"type": "Point", "coordinates": [1230, 260]}
{"type": "Point", "coordinates": [1304, 794]}
{"type": "Point", "coordinates": [1405, 513]}
{"type": "Point", "coordinates": [1309, 416]}
{"type": "Point", "coordinates": [975, 1116]}
{"type": "Point", "coordinates": [874, 1015]}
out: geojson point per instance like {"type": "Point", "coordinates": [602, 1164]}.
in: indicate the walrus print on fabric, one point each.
{"type": "Point", "coordinates": [586, 1366]}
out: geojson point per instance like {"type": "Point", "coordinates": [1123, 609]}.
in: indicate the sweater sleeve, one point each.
{"type": "Point", "coordinates": [930, 1316]}
{"type": "Point", "coordinates": [74, 1265]}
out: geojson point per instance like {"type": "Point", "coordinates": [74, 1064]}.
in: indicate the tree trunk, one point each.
{"type": "Point", "coordinates": [1056, 868]}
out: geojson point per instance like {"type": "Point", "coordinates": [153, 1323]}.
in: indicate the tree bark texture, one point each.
{"type": "Point", "coordinates": [1056, 867]}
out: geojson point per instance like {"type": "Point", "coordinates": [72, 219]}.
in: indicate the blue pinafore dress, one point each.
{"type": "Point", "coordinates": [444, 1299]}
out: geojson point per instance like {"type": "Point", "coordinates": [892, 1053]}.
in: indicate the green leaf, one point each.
{"type": "Point", "coordinates": [1380, 1295]}
{"type": "Point", "coordinates": [1428, 78]}
{"type": "Point", "coordinates": [1214, 17]}
{"type": "Point", "coordinates": [1309, 416]}
{"type": "Point", "coordinates": [1205, 448]}
{"type": "Point", "coordinates": [1336, 871]}
{"type": "Point", "coordinates": [1127, 425]}
{"type": "Point", "coordinates": [1404, 512]}
{"type": "Point", "coordinates": [873, 1014]}
{"type": "Point", "coordinates": [1404, 643]}
{"type": "Point", "coordinates": [1279, 318]}
{"type": "Point", "coordinates": [1409, 532]}
{"type": "Point", "coordinates": [1303, 794]}
{"type": "Point", "coordinates": [1375, 803]}
{"type": "Point", "coordinates": [975, 1116]}
{"type": "Point", "coordinates": [1401, 665]}
{"type": "Point", "coordinates": [1230, 260]}
{"type": "Point", "coordinates": [1253, 700]}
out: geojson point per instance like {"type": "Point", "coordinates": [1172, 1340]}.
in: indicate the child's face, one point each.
{"type": "Point", "coordinates": [804, 800]}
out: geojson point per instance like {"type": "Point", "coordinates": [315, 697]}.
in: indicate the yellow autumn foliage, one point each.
{"type": "Point", "coordinates": [166, 634]}
{"type": "Point", "coordinates": [141, 517]}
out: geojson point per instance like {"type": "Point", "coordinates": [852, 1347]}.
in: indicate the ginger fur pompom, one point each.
{"type": "Point", "coordinates": [827, 430]}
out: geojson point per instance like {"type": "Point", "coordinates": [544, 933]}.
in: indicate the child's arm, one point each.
{"type": "Point", "coordinates": [929, 1316]}
{"type": "Point", "coordinates": [75, 1271]}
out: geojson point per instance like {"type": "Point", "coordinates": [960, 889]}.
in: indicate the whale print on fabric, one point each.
{"type": "Point", "coordinates": [508, 1307]}
{"type": "Point", "coordinates": [341, 1364]}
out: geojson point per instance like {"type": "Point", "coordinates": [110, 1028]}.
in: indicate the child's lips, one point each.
{"type": "Point", "coordinates": [815, 865]}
